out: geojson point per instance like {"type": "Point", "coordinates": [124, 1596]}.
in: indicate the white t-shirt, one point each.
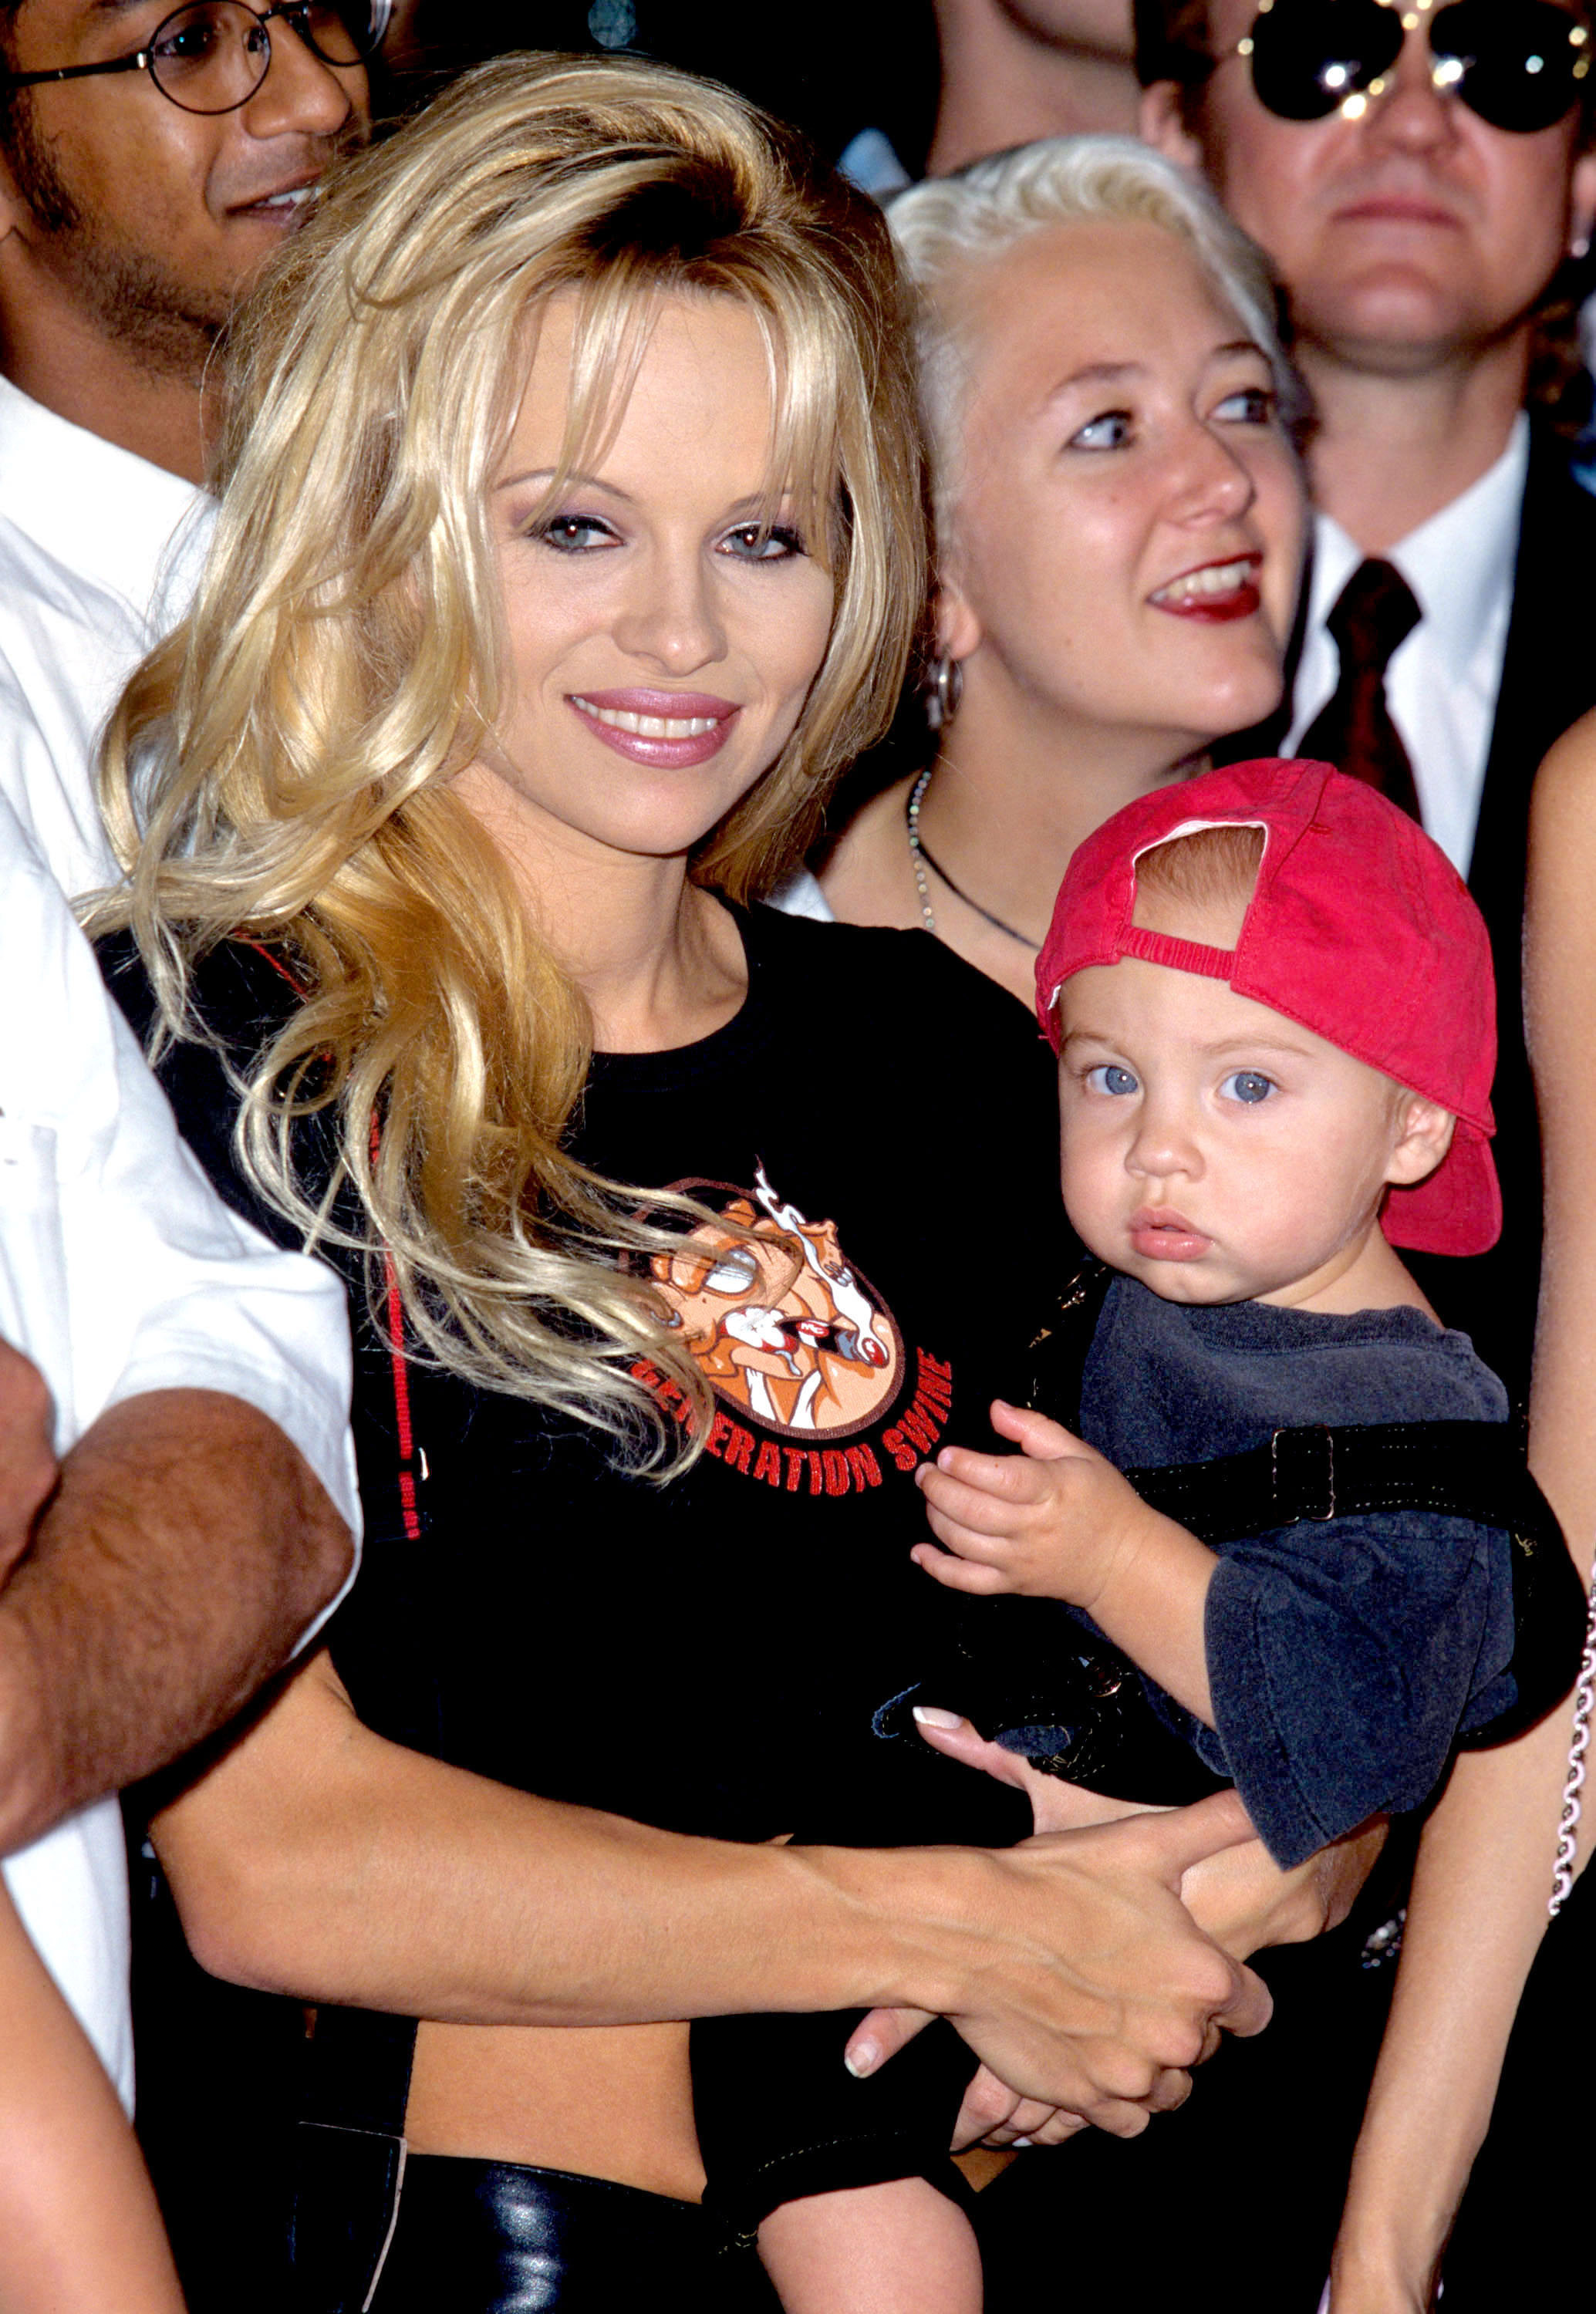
{"type": "Point", "coordinates": [1442, 682]}
{"type": "Point", "coordinates": [96, 547]}
{"type": "Point", "coordinates": [121, 1272]}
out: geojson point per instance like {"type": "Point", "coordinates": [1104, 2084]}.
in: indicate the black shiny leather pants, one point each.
{"type": "Point", "coordinates": [495, 2238]}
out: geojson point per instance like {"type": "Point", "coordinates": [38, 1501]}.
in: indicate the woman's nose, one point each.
{"type": "Point", "coordinates": [1213, 483]}
{"type": "Point", "coordinates": [671, 617]}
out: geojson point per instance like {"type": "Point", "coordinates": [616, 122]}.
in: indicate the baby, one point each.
{"type": "Point", "coordinates": [1272, 1001]}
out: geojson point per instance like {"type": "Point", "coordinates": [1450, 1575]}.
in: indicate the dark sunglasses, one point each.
{"type": "Point", "coordinates": [1518, 63]}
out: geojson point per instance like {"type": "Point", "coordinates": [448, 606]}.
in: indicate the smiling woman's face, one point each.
{"type": "Point", "coordinates": [660, 642]}
{"type": "Point", "coordinates": [1128, 516]}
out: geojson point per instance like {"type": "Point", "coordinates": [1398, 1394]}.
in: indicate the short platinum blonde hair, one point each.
{"type": "Point", "coordinates": [949, 225]}
{"type": "Point", "coordinates": [282, 768]}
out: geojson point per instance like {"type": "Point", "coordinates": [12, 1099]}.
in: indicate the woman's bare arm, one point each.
{"type": "Point", "coordinates": [78, 2229]}
{"type": "Point", "coordinates": [1484, 1869]}
{"type": "Point", "coordinates": [1069, 1963]}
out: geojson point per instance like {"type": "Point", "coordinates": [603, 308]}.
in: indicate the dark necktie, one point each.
{"type": "Point", "coordinates": [1375, 612]}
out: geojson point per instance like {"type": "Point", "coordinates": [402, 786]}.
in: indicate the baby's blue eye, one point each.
{"type": "Point", "coordinates": [1249, 1086]}
{"type": "Point", "coordinates": [1109, 1077]}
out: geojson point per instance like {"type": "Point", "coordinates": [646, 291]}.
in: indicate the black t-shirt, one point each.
{"type": "Point", "coordinates": [707, 1655]}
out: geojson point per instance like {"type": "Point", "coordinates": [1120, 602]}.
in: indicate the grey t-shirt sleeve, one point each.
{"type": "Point", "coordinates": [1343, 1657]}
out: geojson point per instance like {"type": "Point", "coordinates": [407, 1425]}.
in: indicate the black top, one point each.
{"type": "Point", "coordinates": [707, 1655]}
{"type": "Point", "coordinates": [1344, 1655]}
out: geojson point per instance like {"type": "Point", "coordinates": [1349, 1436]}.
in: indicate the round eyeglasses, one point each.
{"type": "Point", "coordinates": [212, 56]}
{"type": "Point", "coordinates": [1518, 63]}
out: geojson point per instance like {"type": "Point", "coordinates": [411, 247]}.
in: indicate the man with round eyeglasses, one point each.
{"type": "Point", "coordinates": [151, 159]}
{"type": "Point", "coordinates": [1424, 177]}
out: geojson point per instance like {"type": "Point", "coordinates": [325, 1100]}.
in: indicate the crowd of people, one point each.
{"type": "Point", "coordinates": [581, 669]}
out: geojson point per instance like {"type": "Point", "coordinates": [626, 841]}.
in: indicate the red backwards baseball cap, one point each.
{"type": "Point", "coordinates": [1359, 928]}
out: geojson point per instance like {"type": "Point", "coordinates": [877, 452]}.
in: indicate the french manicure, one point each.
{"type": "Point", "coordinates": [930, 1716]}
{"type": "Point", "coordinates": [862, 2059]}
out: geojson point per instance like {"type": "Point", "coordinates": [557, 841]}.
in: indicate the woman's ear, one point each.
{"type": "Point", "coordinates": [1163, 127]}
{"type": "Point", "coordinates": [958, 629]}
{"type": "Point", "coordinates": [1425, 1135]}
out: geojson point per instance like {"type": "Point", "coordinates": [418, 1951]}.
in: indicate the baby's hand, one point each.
{"type": "Point", "coordinates": [1051, 1523]}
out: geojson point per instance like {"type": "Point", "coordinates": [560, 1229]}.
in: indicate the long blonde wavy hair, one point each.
{"type": "Point", "coordinates": [279, 768]}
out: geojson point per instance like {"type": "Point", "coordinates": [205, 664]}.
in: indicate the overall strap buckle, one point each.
{"type": "Point", "coordinates": [1302, 1473]}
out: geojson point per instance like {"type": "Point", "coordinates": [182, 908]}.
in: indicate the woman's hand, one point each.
{"type": "Point", "coordinates": [1139, 2065]}
{"type": "Point", "coordinates": [1237, 1895]}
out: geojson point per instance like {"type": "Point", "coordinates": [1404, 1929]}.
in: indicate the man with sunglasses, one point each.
{"type": "Point", "coordinates": [1425, 182]}
{"type": "Point", "coordinates": [151, 159]}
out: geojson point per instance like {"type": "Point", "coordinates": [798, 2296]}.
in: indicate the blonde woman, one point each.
{"type": "Point", "coordinates": [1119, 518]}
{"type": "Point", "coordinates": [569, 544]}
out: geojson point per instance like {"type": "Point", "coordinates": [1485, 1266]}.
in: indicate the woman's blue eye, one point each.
{"type": "Point", "coordinates": [573, 533]}
{"type": "Point", "coordinates": [1109, 1077]}
{"type": "Point", "coordinates": [1109, 431]}
{"type": "Point", "coordinates": [1250, 1086]}
{"type": "Point", "coordinates": [751, 542]}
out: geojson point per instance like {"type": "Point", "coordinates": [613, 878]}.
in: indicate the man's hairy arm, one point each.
{"type": "Point", "coordinates": [183, 1551]}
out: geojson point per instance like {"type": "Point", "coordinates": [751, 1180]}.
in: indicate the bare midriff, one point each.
{"type": "Point", "coordinates": [605, 2101]}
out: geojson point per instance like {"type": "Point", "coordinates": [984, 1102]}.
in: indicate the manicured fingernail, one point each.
{"type": "Point", "coordinates": [862, 2059]}
{"type": "Point", "coordinates": [929, 1715]}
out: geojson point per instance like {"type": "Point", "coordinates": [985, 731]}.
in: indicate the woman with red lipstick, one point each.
{"type": "Point", "coordinates": [1119, 515]}
{"type": "Point", "coordinates": [569, 544]}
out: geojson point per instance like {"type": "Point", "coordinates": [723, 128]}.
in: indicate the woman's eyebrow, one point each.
{"type": "Point", "coordinates": [1239, 346]}
{"type": "Point", "coordinates": [575, 481]}
{"type": "Point", "coordinates": [1097, 374]}
{"type": "Point", "coordinates": [1110, 373]}
{"type": "Point", "coordinates": [753, 503]}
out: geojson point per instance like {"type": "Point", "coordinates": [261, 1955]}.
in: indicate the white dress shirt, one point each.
{"type": "Point", "coordinates": [95, 545]}
{"type": "Point", "coordinates": [1442, 682]}
{"type": "Point", "coordinates": [121, 1272]}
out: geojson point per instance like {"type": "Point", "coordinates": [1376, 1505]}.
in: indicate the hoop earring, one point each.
{"type": "Point", "coordinates": [944, 688]}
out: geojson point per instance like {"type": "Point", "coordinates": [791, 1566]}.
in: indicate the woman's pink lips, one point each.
{"type": "Point", "coordinates": [675, 706]}
{"type": "Point", "coordinates": [1158, 1234]}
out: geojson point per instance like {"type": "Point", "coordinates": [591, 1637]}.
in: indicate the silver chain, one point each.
{"type": "Point", "coordinates": [1584, 1695]}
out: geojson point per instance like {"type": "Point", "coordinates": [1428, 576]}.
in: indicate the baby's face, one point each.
{"type": "Point", "coordinates": [1213, 1148]}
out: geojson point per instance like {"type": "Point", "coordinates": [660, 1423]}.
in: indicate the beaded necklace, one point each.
{"type": "Point", "coordinates": [920, 858]}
